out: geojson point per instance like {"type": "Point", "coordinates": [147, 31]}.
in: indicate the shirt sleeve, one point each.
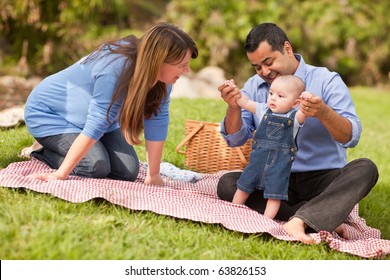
{"type": "Point", "coordinates": [237, 139]}
{"type": "Point", "coordinates": [338, 97]}
{"type": "Point", "coordinates": [156, 128]}
{"type": "Point", "coordinates": [249, 120]}
{"type": "Point", "coordinates": [104, 78]}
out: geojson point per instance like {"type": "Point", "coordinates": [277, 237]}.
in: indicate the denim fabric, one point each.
{"type": "Point", "coordinates": [273, 151]}
{"type": "Point", "coordinates": [110, 157]}
{"type": "Point", "coordinates": [322, 199]}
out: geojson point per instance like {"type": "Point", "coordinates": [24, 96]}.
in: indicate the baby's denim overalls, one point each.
{"type": "Point", "coordinates": [273, 151]}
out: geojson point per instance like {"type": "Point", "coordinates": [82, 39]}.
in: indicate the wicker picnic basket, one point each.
{"type": "Point", "coordinates": [207, 152]}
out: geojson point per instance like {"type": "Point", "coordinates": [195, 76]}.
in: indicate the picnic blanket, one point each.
{"type": "Point", "coordinates": [193, 201]}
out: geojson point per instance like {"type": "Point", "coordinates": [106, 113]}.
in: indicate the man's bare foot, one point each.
{"type": "Point", "coordinates": [340, 230]}
{"type": "Point", "coordinates": [296, 228]}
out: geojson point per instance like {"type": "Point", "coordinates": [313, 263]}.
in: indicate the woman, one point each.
{"type": "Point", "coordinates": [86, 117]}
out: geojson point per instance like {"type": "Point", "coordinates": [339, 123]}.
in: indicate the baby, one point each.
{"type": "Point", "coordinates": [274, 147]}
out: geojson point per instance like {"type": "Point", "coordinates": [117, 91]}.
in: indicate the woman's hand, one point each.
{"type": "Point", "coordinates": [48, 176]}
{"type": "Point", "coordinates": [154, 180]}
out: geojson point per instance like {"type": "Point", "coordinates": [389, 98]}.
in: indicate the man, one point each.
{"type": "Point", "coordinates": [323, 186]}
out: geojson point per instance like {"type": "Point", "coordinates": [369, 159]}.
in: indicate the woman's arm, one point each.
{"type": "Point", "coordinates": [153, 155]}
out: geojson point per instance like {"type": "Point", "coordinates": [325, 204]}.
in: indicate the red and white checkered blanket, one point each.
{"type": "Point", "coordinates": [193, 201]}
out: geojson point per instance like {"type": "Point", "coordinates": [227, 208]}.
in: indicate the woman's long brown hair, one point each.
{"type": "Point", "coordinates": [163, 43]}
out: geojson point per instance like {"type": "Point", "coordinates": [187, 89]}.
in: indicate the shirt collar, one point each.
{"type": "Point", "coordinates": [301, 70]}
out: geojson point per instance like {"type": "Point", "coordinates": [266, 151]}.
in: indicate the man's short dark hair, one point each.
{"type": "Point", "coordinates": [269, 32]}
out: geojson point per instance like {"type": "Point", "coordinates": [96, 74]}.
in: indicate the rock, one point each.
{"type": "Point", "coordinates": [184, 88]}
{"type": "Point", "coordinates": [208, 80]}
{"type": "Point", "coordinates": [14, 90]}
{"type": "Point", "coordinates": [11, 116]}
{"type": "Point", "coordinates": [212, 75]}
{"type": "Point", "coordinates": [203, 84]}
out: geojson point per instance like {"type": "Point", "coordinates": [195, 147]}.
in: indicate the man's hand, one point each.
{"type": "Point", "coordinates": [230, 94]}
{"type": "Point", "coordinates": [312, 105]}
{"type": "Point", "coordinates": [338, 126]}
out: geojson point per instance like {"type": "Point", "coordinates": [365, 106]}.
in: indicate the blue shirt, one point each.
{"type": "Point", "coordinates": [317, 150]}
{"type": "Point", "coordinates": [76, 99]}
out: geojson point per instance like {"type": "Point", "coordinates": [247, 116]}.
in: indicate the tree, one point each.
{"type": "Point", "coordinates": [58, 31]}
{"type": "Point", "coordinates": [350, 37]}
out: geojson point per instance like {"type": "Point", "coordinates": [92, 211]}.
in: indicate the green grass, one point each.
{"type": "Point", "coordinates": [40, 226]}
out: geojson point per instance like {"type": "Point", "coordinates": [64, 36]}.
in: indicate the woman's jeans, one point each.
{"type": "Point", "coordinates": [110, 157]}
{"type": "Point", "coordinates": [322, 199]}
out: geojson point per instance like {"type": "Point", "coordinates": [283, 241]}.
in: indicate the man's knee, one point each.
{"type": "Point", "coordinates": [366, 168]}
{"type": "Point", "coordinates": [364, 171]}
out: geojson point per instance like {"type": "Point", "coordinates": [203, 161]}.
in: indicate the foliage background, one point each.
{"type": "Point", "coordinates": [347, 36]}
{"type": "Point", "coordinates": [40, 37]}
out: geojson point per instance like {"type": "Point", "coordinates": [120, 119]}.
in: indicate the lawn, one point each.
{"type": "Point", "coordinates": [38, 226]}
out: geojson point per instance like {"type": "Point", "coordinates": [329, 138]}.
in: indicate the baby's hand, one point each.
{"type": "Point", "coordinates": [229, 83]}
{"type": "Point", "coordinates": [306, 95]}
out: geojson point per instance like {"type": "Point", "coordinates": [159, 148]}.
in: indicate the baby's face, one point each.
{"type": "Point", "coordinates": [280, 99]}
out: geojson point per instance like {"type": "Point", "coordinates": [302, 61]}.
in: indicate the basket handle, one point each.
{"type": "Point", "coordinates": [188, 137]}
{"type": "Point", "coordinates": [241, 155]}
